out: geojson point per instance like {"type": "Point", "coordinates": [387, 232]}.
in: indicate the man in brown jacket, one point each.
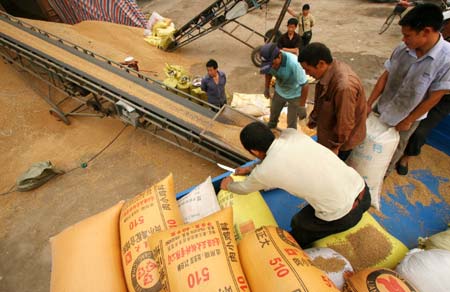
{"type": "Point", "coordinates": [340, 103]}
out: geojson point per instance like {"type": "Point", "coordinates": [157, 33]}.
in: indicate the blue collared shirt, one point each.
{"type": "Point", "coordinates": [412, 79]}
{"type": "Point", "coordinates": [215, 92]}
{"type": "Point", "coordinates": [290, 77]}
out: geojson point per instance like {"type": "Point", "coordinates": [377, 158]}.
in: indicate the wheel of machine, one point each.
{"type": "Point", "coordinates": [256, 58]}
{"type": "Point", "coordinates": [269, 34]}
{"type": "Point", "coordinates": [59, 115]}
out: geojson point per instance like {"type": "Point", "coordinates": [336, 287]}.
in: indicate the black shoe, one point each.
{"type": "Point", "coordinates": [402, 169]}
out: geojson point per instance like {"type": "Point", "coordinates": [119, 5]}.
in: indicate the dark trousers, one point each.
{"type": "Point", "coordinates": [307, 228]}
{"type": "Point", "coordinates": [276, 106]}
{"type": "Point", "coordinates": [306, 38]}
{"type": "Point", "coordinates": [343, 155]}
{"type": "Point", "coordinates": [434, 117]}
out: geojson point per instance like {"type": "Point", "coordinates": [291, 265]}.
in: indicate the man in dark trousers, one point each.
{"type": "Point", "coordinates": [416, 76]}
{"type": "Point", "coordinates": [336, 193]}
{"type": "Point", "coordinates": [214, 84]}
{"type": "Point", "coordinates": [340, 103]}
{"type": "Point", "coordinates": [290, 41]}
{"type": "Point", "coordinates": [434, 117]}
{"type": "Point", "coordinates": [305, 23]}
{"type": "Point", "coordinates": [291, 86]}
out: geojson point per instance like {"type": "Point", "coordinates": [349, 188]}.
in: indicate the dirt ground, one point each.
{"type": "Point", "coordinates": [136, 159]}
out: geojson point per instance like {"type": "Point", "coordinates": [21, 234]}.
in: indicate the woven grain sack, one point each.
{"type": "Point", "coordinates": [86, 256]}
{"type": "Point", "coordinates": [200, 256]}
{"type": "Point", "coordinates": [250, 211]}
{"type": "Point", "coordinates": [378, 280]}
{"type": "Point", "coordinates": [440, 240]}
{"type": "Point", "coordinates": [427, 270]}
{"type": "Point", "coordinates": [252, 104]}
{"type": "Point", "coordinates": [273, 261]}
{"type": "Point", "coordinates": [335, 265]}
{"type": "Point", "coordinates": [152, 211]}
{"type": "Point", "coordinates": [199, 203]}
{"type": "Point", "coordinates": [371, 159]}
{"type": "Point", "coordinates": [366, 245]}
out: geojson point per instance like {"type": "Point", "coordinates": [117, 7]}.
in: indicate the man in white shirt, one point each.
{"type": "Point", "coordinates": [336, 193]}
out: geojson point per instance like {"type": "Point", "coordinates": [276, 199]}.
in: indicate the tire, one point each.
{"type": "Point", "coordinates": [269, 34]}
{"type": "Point", "coordinates": [256, 58]}
{"type": "Point", "coordinates": [387, 23]}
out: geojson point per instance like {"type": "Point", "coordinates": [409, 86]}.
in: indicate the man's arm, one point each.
{"type": "Point", "coordinates": [345, 102]}
{"type": "Point", "coordinates": [312, 21]}
{"type": "Point", "coordinates": [292, 12]}
{"type": "Point", "coordinates": [203, 85]}
{"type": "Point", "coordinates": [249, 185]}
{"type": "Point", "coordinates": [291, 50]}
{"type": "Point", "coordinates": [377, 90]}
{"type": "Point", "coordinates": [304, 95]}
{"type": "Point", "coordinates": [268, 78]}
{"type": "Point", "coordinates": [423, 107]}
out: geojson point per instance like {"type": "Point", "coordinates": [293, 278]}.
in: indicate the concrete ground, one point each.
{"type": "Point", "coordinates": [136, 159]}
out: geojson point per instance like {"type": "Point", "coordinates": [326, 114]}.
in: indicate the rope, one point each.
{"type": "Point", "coordinates": [12, 189]}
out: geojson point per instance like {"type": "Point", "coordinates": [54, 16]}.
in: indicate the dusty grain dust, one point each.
{"type": "Point", "coordinates": [113, 41]}
{"type": "Point", "coordinates": [430, 162]}
{"type": "Point", "coordinates": [329, 265]}
{"type": "Point", "coordinates": [364, 248]}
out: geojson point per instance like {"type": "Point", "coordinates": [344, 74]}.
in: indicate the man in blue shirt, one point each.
{"type": "Point", "coordinates": [417, 75]}
{"type": "Point", "coordinates": [214, 84]}
{"type": "Point", "coordinates": [291, 85]}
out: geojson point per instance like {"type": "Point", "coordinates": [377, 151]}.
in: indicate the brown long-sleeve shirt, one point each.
{"type": "Point", "coordinates": [340, 108]}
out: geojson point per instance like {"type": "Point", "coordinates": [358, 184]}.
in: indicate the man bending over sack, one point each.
{"type": "Point", "coordinates": [336, 193]}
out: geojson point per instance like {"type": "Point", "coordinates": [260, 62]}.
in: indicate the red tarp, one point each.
{"type": "Point", "coordinates": [118, 11]}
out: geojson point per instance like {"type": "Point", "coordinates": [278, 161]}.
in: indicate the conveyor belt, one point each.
{"type": "Point", "coordinates": [113, 82]}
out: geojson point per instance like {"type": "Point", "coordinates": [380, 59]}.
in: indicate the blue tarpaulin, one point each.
{"type": "Point", "coordinates": [404, 218]}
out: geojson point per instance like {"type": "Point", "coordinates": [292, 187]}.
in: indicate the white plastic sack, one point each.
{"type": "Point", "coordinates": [439, 240]}
{"type": "Point", "coordinates": [154, 18]}
{"type": "Point", "coordinates": [427, 270]}
{"type": "Point", "coordinates": [371, 159]}
{"type": "Point", "coordinates": [335, 265]}
{"type": "Point", "coordinates": [252, 104]}
{"type": "Point", "coordinates": [199, 203]}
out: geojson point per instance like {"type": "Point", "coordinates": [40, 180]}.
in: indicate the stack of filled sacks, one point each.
{"type": "Point", "coordinates": [227, 242]}
{"type": "Point", "coordinates": [143, 245]}
{"type": "Point", "coordinates": [178, 77]}
{"type": "Point", "coordinates": [159, 31]}
{"type": "Point", "coordinates": [428, 268]}
{"type": "Point", "coordinates": [256, 105]}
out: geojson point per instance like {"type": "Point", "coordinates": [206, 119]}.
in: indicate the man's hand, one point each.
{"type": "Point", "coordinates": [404, 125]}
{"type": "Point", "coordinates": [311, 124]}
{"type": "Point", "coordinates": [243, 170]}
{"type": "Point", "coordinates": [267, 92]}
{"type": "Point", "coordinates": [225, 182]}
{"type": "Point", "coordinates": [302, 112]}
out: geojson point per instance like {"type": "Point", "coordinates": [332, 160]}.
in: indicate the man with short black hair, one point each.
{"type": "Point", "coordinates": [305, 23]}
{"type": "Point", "coordinates": [290, 41]}
{"type": "Point", "coordinates": [417, 75]}
{"type": "Point", "coordinates": [340, 102]}
{"type": "Point", "coordinates": [214, 84]}
{"type": "Point", "coordinates": [439, 112]}
{"type": "Point", "coordinates": [291, 85]}
{"type": "Point", "coordinates": [336, 193]}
